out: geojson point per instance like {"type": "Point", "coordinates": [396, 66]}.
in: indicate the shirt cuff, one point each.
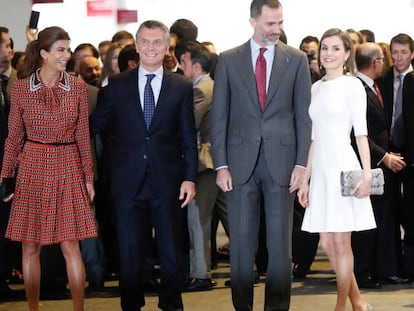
{"type": "Point", "coordinates": [220, 167]}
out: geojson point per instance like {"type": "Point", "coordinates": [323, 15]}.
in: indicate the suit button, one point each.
{"type": "Point", "coordinates": [147, 138]}
{"type": "Point", "coordinates": [145, 157]}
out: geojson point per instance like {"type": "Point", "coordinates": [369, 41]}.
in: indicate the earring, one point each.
{"type": "Point", "coordinates": [344, 67]}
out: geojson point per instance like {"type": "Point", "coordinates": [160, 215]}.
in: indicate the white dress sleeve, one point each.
{"type": "Point", "coordinates": [357, 100]}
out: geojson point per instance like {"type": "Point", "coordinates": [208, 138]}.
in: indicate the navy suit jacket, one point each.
{"type": "Point", "coordinates": [168, 149]}
{"type": "Point", "coordinates": [378, 128]}
{"type": "Point", "coordinates": [387, 88]}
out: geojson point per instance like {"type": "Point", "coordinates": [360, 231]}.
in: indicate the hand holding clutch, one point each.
{"type": "Point", "coordinates": [349, 180]}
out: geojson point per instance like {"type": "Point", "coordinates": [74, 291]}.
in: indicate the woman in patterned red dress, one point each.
{"type": "Point", "coordinates": [48, 151]}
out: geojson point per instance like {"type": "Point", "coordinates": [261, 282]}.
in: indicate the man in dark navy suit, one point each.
{"type": "Point", "coordinates": [397, 87]}
{"type": "Point", "coordinates": [153, 164]}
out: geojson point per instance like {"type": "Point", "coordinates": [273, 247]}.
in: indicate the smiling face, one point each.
{"type": "Point", "coordinates": [332, 54]}
{"type": "Point", "coordinates": [151, 47]}
{"type": "Point", "coordinates": [268, 25]}
{"type": "Point", "coordinates": [57, 58]}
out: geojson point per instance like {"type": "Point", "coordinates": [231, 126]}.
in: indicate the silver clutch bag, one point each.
{"type": "Point", "coordinates": [349, 179]}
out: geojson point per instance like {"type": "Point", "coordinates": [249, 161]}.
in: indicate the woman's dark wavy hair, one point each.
{"type": "Point", "coordinates": [45, 40]}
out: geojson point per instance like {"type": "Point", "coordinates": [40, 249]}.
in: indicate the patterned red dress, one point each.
{"type": "Point", "coordinates": [48, 148]}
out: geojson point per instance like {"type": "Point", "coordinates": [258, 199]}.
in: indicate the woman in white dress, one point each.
{"type": "Point", "coordinates": [338, 104]}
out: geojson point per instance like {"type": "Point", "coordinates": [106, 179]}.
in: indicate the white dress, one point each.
{"type": "Point", "coordinates": [336, 106]}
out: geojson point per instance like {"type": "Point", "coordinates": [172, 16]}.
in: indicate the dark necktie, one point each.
{"type": "Point", "coordinates": [377, 90]}
{"type": "Point", "coordinates": [260, 74]}
{"type": "Point", "coordinates": [149, 101]}
{"type": "Point", "coordinates": [397, 133]}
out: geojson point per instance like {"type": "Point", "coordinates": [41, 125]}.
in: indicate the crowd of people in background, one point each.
{"type": "Point", "coordinates": [384, 255]}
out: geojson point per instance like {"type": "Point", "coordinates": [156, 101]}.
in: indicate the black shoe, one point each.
{"type": "Point", "coordinates": [53, 295]}
{"type": "Point", "coordinates": [256, 280]}
{"type": "Point", "coordinates": [395, 280]}
{"type": "Point", "coordinates": [368, 283]}
{"type": "Point", "coordinates": [196, 285]}
{"type": "Point", "coordinates": [151, 286]}
{"type": "Point", "coordinates": [299, 272]}
{"type": "Point", "coordinates": [6, 293]}
{"type": "Point", "coordinates": [95, 286]}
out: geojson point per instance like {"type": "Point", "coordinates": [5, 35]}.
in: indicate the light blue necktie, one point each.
{"type": "Point", "coordinates": [397, 132]}
{"type": "Point", "coordinates": [149, 101]}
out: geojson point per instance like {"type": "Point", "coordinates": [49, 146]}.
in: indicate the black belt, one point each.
{"type": "Point", "coordinates": [64, 143]}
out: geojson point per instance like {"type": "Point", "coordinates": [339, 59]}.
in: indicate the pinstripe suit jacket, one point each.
{"type": "Point", "coordinates": [239, 126]}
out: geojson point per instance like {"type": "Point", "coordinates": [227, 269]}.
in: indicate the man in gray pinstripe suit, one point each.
{"type": "Point", "coordinates": [260, 153]}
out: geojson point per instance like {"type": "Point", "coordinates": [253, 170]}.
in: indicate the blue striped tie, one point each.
{"type": "Point", "coordinates": [149, 101]}
{"type": "Point", "coordinates": [397, 129]}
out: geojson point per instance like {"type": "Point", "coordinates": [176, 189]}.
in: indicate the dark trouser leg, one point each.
{"type": "Point", "coordinates": [408, 223]}
{"type": "Point", "coordinates": [244, 218]}
{"type": "Point", "coordinates": [304, 244]}
{"type": "Point", "coordinates": [166, 216]}
{"type": "Point", "coordinates": [132, 222]}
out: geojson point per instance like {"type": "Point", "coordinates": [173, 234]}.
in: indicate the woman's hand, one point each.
{"type": "Point", "coordinates": [303, 194]}
{"type": "Point", "coordinates": [91, 191]}
{"type": "Point", "coordinates": [363, 187]}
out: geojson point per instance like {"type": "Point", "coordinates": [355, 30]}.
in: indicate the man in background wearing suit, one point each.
{"type": "Point", "coordinates": [397, 87]}
{"type": "Point", "coordinates": [195, 63]}
{"type": "Point", "coordinates": [153, 164]}
{"type": "Point", "coordinates": [8, 75]}
{"type": "Point", "coordinates": [375, 250]}
{"type": "Point", "coordinates": [260, 139]}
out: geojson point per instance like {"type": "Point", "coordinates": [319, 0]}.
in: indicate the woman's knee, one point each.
{"type": "Point", "coordinates": [70, 248]}
{"type": "Point", "coordinates": [30, 249]}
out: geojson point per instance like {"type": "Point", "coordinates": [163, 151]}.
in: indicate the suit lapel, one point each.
{"type": "Point", "coordinates": [163, 97]}
{"type": "Point", "coordinates": [133, 93]}
{"type": "Point", "coordinates": [244, 65]}
{"type": "Point", "coordinates": [279, 66]}
{"type": "Point", "coordinates": [374, 102]}
{"type": "Point", "coordinates": [372, 97]}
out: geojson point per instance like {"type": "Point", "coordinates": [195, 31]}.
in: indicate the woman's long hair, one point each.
{"type": "Point", "coordinates": [44, 41]}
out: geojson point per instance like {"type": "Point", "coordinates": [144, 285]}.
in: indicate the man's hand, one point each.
{"type": "Point", "coordinates": [223, 180]}
{"type": "Point", "coordinates": [187, 192]}
{"type": "Point", "coordinates": [296, 178]}
{"type": "Point", "coordinates": [394, 162]}
{"type": "Point", "coordinates": [9, 185]}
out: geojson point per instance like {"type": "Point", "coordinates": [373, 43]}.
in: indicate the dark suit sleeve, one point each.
{"type": "Point", "coordinates": [302, 98]}
{"type": "Point", "coordinates": [188, 136]}
{"type": "Point", "coordinates": [408, 115]}
{"type": "Point", "coordinates": [220, 114]}
{"type": "Point", "coordinates": [377, 153]}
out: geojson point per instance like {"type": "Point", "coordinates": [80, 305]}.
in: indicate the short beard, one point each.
{"type": "Point", "coordinates": [266, 41]}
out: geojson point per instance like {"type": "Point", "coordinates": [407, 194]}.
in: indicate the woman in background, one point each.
{"type": "Point", "coordinates": [110, 65]}
{"type": "Point", "coordinates": [48, 152]}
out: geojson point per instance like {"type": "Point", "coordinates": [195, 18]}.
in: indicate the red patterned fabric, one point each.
{"type": "Point", "coordinates": [51, 202]}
